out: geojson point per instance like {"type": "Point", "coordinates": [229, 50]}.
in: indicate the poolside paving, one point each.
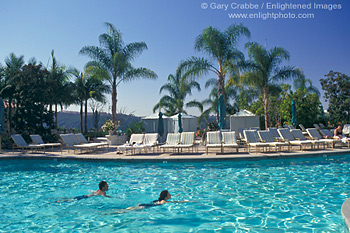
{"type": "Point", "coordinates": [200, 154]}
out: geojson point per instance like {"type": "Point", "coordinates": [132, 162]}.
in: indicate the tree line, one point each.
{"type": "Point", "coordinates": [34, 93]}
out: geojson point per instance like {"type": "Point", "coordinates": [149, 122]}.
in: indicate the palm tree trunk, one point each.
{"type": "Point", "coordinates": [86, 110]}
{"type": "Point", "coordinates": [221, 86]}
{"type": "Point", "coordinates": [81, 116]}
{"type": "Point", "coordinates": [221, 91]}
{"type": "Point", "coordinates": [266, 107]}
{"type": "Point", "coordinates": [114, 100]}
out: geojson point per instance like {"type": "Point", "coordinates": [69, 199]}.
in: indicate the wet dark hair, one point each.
{"type": "Point", "coordinates": [102, 184]}
{"type": "Point", "coordinates": [162, 195]}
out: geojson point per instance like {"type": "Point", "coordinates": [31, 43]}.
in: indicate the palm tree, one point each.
{"type": "Point", "coordinates": [113, 60]}
{"type": "Point", "coordinates": [219, 46]}
{"type": "Point", "coordinates": [59, 82]}
{"type": "Point", "coordinates": [263, 70]}
{"type": "Point", "coordinates": [13, 65]}
{"type": "Point", "coordinates": [178, 87]}
{"type": "Point", "coordinates": [305, 83]}
{"type": "Point", "coordinates": [213, 101]}
{"type": "Point", "coordinates": [88, 86]}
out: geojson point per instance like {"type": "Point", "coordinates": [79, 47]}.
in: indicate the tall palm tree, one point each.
{"type": "Point", "coordinates": [220, 47]}
{"type": "Point", "coordinates": [305, 83]}
{"type": "Point", "coordinates": [263, 70]}
{"type": "Point", "coordinates": [88, 86]}
{"type": "Point", "coordinates": [113, 60]}
{"type": "Point", "coordinates": [179, 88]}
{"type": "Point", "coordinates": [59, 82]}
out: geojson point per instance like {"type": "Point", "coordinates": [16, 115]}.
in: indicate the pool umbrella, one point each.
{"type": "Point", "coordinates": [294, 114]}
{"type": "Point", "coordinates": [221, 109]}
{"type": "Point", "coordinates": [2, 120]}
{"type": "Point", "coordinates": [180, 123]}
{"type": "Point", "coordinates": [160, 125]}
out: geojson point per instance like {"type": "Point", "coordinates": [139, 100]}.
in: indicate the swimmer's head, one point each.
{"type": "Point", "coordinates": [164, 195]}
{"type": "Point", "coordinates": [103, 186]}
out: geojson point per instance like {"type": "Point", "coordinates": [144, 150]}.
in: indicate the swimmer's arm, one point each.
{"type": "Point", "coordinates": [180, 201]}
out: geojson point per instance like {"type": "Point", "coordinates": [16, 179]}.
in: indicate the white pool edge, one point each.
{"type": "Point", "coordinates": [345, 211]}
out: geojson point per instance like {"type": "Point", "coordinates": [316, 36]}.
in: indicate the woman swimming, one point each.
{"type": "Point", "coordinates": [163, 198]}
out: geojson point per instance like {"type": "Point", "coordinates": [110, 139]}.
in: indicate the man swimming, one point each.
{"type": "Point", "coordinates": [103, 187]}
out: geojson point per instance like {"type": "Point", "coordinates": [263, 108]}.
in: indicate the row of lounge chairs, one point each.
{"type": "Point", "coordinates": [139, 142]}
{"type": "Point", "coordinates": [179, 141]}
{"type": "Point", "coordinates": [221, 140]}
{"type": "Point", "coordinates": [146, 142]}
{"type": "Point", "coordinates": [285, 137]}
{"type": "Point", "coordinates": [78, 141]}
{"type": "Point", "coordinates": [38, 143]}
{"type": "Point", "coordinates": [71, 141]}
{"type": "Point", "coordinates": [273, 138]}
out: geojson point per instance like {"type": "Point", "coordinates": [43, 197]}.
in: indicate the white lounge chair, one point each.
{"type": "Point", "coordinates": [71, 141]}
{"type": "Point", "coordinates": [253, 140]}
{"type": "Point", "coordinates": [214, 140]}
{"type": "Point", "coordinates": [266, 136]}
{"type": "Point", "coordinates": [300, 136]}
{"type": "Point", "coordinates": [83, 140]}
{"type": "Point", "coordinates": [150, 141]}
{"type": "Point", "coordinates": [346, 129]}
{"type": "Point", "coordinates": [301, 126]}
{"type": "Point", "coordinates": [315, 135]}
{"type": "Point", "coordinates": [135, 141]}
{"type": "Point", "coordinates": [288, 137]}
{"type": "Point", "coordinates": [37, 140]}
{"type": "Point", "coordinates": [172, 140]}
{"type": "Point", "coordinates": [186, 141]}
{"type": "Point", "coordinates": [22, 144]}
{"type": "Point", "coordinates": [229, 140]}
{"type": "Point", "coordinates": [275, 134]}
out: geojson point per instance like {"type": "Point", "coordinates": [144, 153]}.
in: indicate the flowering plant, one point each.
{"type": "Point", "coordinates": [200, 133]}
{"type": "Point", "coordinates": [109, 126]}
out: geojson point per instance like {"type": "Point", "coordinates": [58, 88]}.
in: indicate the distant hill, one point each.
{"type": "Point", "coordinates": [70, 119]}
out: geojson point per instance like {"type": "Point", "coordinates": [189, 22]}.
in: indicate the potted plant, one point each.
{"type": "Point", "coordinates": [110, 127]}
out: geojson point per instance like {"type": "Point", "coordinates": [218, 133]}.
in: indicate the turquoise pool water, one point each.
{"type": "Point", "coordinates": [289, 195]}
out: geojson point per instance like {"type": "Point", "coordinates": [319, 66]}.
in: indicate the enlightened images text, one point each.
{"type": "Point", "coordinates": [274, 6]}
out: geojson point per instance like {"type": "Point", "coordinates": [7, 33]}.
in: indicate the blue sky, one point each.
{"type": "Point", "coordinates": [169, 27]}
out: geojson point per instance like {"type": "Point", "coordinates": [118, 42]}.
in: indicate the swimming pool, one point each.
{"type": "Point", "coordinates": [288, 195]}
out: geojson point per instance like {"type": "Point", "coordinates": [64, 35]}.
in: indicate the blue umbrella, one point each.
{"type": "Point", "coordinates": [294, 114]}
{"type": "Point", "coordinates": [221, 109]}
{"type": "Point", "coordinates": [180, 123]}
{"type": "Point", "coordinates": [2, 119]}
{"type": "Point", "coordinates": [160, 124]}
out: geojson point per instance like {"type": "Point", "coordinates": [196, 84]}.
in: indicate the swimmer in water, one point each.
{"type": "Point", "coordinates": [163, 198]}
{"type": "Point", "coordinates": [103, 187]}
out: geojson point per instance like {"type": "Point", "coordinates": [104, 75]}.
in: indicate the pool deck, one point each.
{"type": "Point", "coordinates": [109, 154]}
{"type": "Point", "coordinates": [198, 155]}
